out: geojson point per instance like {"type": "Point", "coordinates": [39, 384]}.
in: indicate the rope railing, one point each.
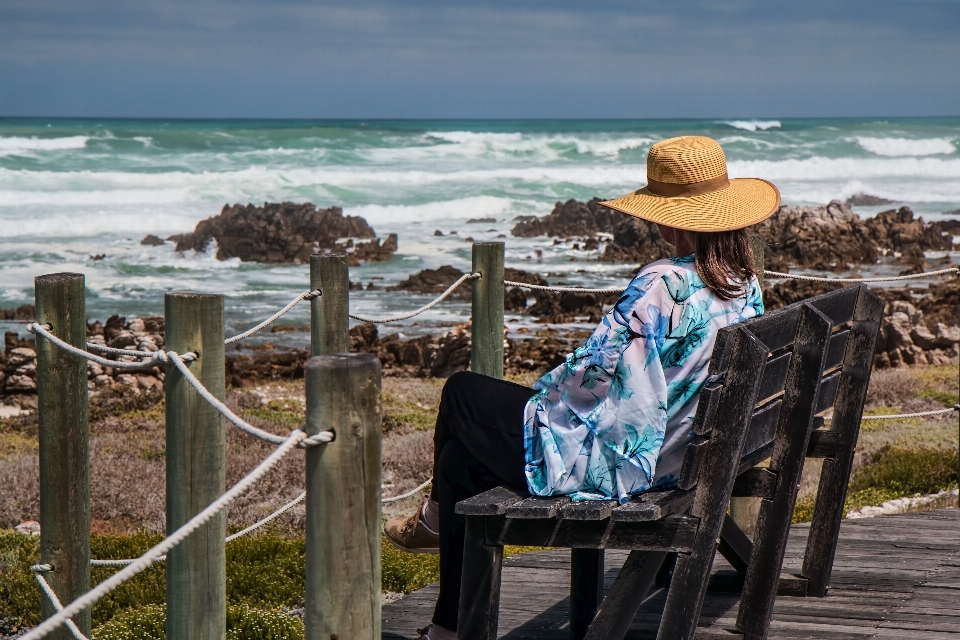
{"type": "Point", "coordinates": [161, 549]}
{"type": "Point", "coordinates": [412, 492]}
{"type": "Point", "coordinates": [911, 276]}
{"type": "Point", "coordinates": [310, 295]}
{"type": "Point", "coordinates": [426, 307]}
{"type": "Point", "coordinates": [152, 359]}
{"type": "Point", "coordinates": [904, 416]}
{"type": "Point", "coordinates": [38, 571]}
{"type": "Point", "coordinates": [540, 287]}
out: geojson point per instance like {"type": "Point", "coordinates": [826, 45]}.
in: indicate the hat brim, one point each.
{"type": "Point", "coordinates": [745, 202]}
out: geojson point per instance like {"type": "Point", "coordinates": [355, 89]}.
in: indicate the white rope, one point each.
{"type": "Point", "coordinates": [119, 352]}
{"type": "Point", "coordinates": [408, 493]}
{"type": "Point", "coordinates": [900, 416]}
{"type": "Point", "coordinates": [144, 561]}
{"type": "Point", "coordinates": [323, 436]}
{"type": "Point", "coordinates": [150, 359]}
{"type": "Point", "coordinates": [426, 307]}
{"type": "Point", "coordinates": [38, 570]}
{"type": "Point", "coordinates": [912, 276]}
{"type": "Point", "coordinates": [310, 295]}
{"type": "Point", "coordinates": [540, 287]}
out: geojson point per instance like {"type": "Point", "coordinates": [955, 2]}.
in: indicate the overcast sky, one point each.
{"type": "Point", "coordinates": [479, 59]}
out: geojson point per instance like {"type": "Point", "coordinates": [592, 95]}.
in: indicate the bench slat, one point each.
{"type": "Point", "coordinates": [763, 426]}
{"type": "Point", "coordinates": [587, 510]}
{"type": "Point", "coordinates": [494, 502]}
{"type": "Point", "coordinates": [692, 459]}
{"type": "Point", "coordinates": [774, 376]}
{"type": "Point", "coordinates": [707, 407]}
{"type": "Point", "coordinates": [828, 391]}
{"type": "Point", "coordinates": [838, 346]}
{"type": "Point", "coordinates": [537, 507]}
{"type": "Point", "coordinates": [758, 482]}
{"type": "Point", "coordinates": [823, 444]}
{"type": "Point", "coordinates": [654, 505]}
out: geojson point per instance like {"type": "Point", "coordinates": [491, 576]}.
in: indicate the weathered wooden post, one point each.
{"type": "Point", "coordinates": [196, 576]}
{"type": "Point", "coordinates": [486, 348]}
{"type": "Point", "coordinates": [343, 498]}
{"type": "Point", "coordinates": [329, 323]}
{"type": "Point", "coordinates": [64, 444]}
{"type": "Point", "coordinates": [745, 511]}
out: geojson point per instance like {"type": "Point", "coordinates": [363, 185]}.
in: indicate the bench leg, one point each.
{"type": "Point", "coordinates": [626, 595]}
{"type": "Point", "coordinates": [586, 589]}
{"type": "Point", "coordinates": [479, 611]}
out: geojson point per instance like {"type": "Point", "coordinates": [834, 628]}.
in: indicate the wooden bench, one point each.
{"type": "Point", "coordinates": [773, 377]}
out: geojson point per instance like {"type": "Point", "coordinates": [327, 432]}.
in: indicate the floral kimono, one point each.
{"type": "Point", "coordinates": [615, 418]}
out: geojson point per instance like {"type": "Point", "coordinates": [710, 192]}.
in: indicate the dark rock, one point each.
{"type": "Point", "coordinates": [481, 220]}
{"type": "Point", "coordinates": [571, 306]}
{"type": "Point", "coordinates": [437, 233]}
{"type": "Point", "coordinates": [152, 241]}
{"type": "Point", "coordinates": [866, 200]}
{"type": "Point", "coordinates": [24, 312]}
{"type": "Point", "coordinates": [286, 232]}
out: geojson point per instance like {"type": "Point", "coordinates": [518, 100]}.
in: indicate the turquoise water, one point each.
{"type": "Point", "coordinates": [72, 189]}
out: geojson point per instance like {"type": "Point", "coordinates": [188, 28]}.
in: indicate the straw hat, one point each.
{"type": "Point", "coordinates": [688, 188]}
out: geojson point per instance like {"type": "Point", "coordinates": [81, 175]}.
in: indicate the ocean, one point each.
{"type": "Point", "coordinates": [72, 190]}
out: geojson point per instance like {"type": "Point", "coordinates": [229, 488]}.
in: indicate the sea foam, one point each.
{"type": "Point", "coordinates": [15, 145]}
{"type": "Point", "coordinates": [753, 125]}
{"type": "Point", "coordinates": [907, 146]}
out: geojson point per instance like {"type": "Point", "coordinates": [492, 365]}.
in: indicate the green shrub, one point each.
{"type": "Point", "coordinates": [406, 572]}
{"type": "Point", "coordinates": [803, 510]}
{"type": "Point", "coordinates": [19, 592]}
{"type": "Point", "coordinates": [896, 473]}
{"type": "Point", "coordinates": [243, 623]}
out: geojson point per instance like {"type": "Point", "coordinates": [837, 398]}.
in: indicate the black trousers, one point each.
{"type": "Point", "coordinates": [478, 445]}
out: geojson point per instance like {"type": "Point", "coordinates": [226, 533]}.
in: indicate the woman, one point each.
{"type": "Point", "coordinates": [614, 419]}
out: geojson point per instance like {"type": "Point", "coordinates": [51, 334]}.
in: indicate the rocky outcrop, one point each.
{"type": "Point", "coordinates": [628, 239]}
{"type": "Point", "coordinates": [436, 281]}
{"type": "Point", "coordinates": [833, 237]}
{"type": "Point", "coordinates": [286, 232]}
{"type": "Point", "coordinates": [24, 312]}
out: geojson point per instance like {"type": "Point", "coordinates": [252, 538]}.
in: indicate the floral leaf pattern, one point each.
{"type": "Point", "coordinates": [615, 417]}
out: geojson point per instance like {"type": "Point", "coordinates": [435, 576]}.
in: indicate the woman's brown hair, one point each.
{"type": "Point", "coordinates": [724, 261]}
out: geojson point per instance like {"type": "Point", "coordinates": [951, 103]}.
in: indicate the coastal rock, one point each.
{"type": "Point", "coordinates": [24, 312]}
{"type": "Point", "coordinates": [627, 239]}
{"type": "Point", "coordinates": [833, 237]}
{"type": "Point", "coordinates": [152, 241]}
{"type": "Point", "coordinates": [286, 232]}
{"type": "Point", "coordinates": [436, 281]}
{"type": "Point", "coordinates": [866, 200]}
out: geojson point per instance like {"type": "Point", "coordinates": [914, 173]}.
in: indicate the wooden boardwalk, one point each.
{"type": "Point", "coordinates": [894, 577]}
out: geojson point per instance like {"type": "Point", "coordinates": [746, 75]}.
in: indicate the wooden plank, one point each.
{"type": "Point", "coordinates": [774, 375]}
{"type": "Point", "coordinates": [775, 329]}
{"type": "Point", "coordinates": [838, 345]}
{"type": "Point", "coordinates": [823, 444]}
{"type": "Point", "coordinates": [479, 612]}
{"type": "Point", "coordinates": [654, 505]}
{"type": "Point", "coordinates": [537, 507]}
{"type": "Point", "coordinates": [828, 391]}
{"type": "Point", "coordinates": [758, 482]}
{"type": "Point", "coordinates": [329, 321]}
{"type": "Point", "coordinates": [587, 510]}
{"type": "Point", "coordinates": [839, 305]}
{"type": "Point", "coordinates": [64, 441]}
{"type": "Point", "coordinates": [762, 426]}
{"type": "Point", "coordinates": [685, 596]}
{"type": "Point", "coordinates": [692, 460]}
{"type": "Point", "coordinates": [848, 409]}
{"type": "Point", "coordinates": [674, 533]}
{"type": "Point", "coordinates": [734, 545]}
{"type": "Point", "coordinates": [626, 595]}
{"type": "Point", "coordinates": [792, 434]}
{"type": "Point", "coordinates": [196, 468]}
{"type": "Point", "coordinates": [494, 502]}
{"type": "Point", "coordinates": [586, 589]}
{"type": "Point", "coordinates": [486, 346]}
{"type": "Point", "coordinates": [707, 408]}
{"type": "Point", "coordinates": [343, 480]}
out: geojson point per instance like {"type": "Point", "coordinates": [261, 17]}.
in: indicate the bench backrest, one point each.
{"type": "Point", "coordinates": [808, 345]}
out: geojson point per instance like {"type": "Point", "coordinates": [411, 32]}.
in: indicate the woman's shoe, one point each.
{"type": "Point", "coordinates": [411, 534]}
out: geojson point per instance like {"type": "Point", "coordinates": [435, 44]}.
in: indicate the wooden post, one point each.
{"type": "Point", "coordinates": [343, 498]}
{"type": "Point", "coordinates": [196, 576]}
{"type": "Point", "coordinates": [329, 323]}
{"type": "Point", "coordinates": [64, 445]}
{"type": "Point", "coordinates": [486, 350]}
{"type": "Point", "coordinates": [745, 511]}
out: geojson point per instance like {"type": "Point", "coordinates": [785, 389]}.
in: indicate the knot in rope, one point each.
{"type": "Point", "coordinates": [310, 295]}
{"type": "Point", "coordinates": [41, 568]}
